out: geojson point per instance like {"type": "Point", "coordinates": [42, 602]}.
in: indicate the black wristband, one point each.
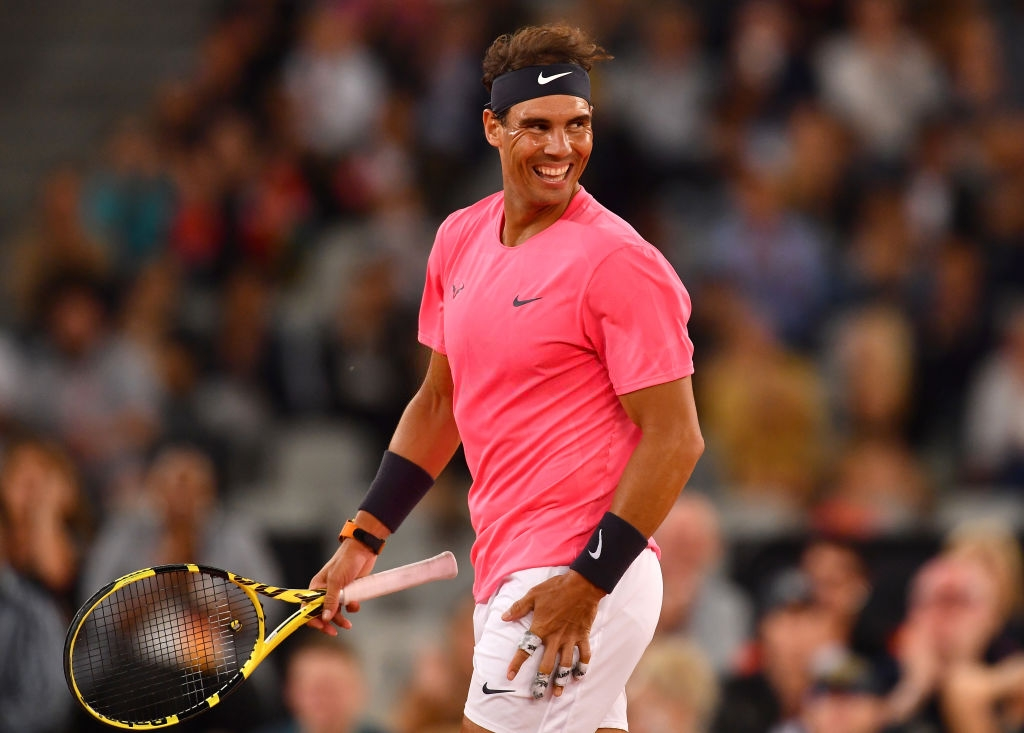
{"type": "Point", "coordinates": [397, 488]}
{"type": "Point", "coordinates": [612, 548]}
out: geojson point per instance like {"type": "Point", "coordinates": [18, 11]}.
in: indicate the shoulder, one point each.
{"type": "Point", "coordinates": [472, 216]}
{"type": "Point", "coordinates": [605, 235]}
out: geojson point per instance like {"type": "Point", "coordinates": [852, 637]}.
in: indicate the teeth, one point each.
{"type": "Point", "coordinates": [551, 172]}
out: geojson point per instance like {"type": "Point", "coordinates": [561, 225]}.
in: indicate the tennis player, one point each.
{"type": "Point", "coordinates": [560, 358]}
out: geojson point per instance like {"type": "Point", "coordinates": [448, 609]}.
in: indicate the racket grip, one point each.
{"type": "Point", "coordinates": [438, 567]}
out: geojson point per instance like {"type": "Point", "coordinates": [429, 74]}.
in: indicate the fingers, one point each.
{"type": "Point", "coordinates": [518, 609]}
{"type": "Point", "coordinates": [564, 672]}
{"type": "Point", "coordinates": [562, 616]}
{"type": "Point", "coordinates": [542, 680]}
{"type": "Point", "coordinates": [561, 679]}
{"type": "Point", "coordinates": [517, 662]}
{"type": "Point", "coordinates": [330, 578]}
{"type": "Point", "coordinates": [319, 625]}
{"type": "Point", "coordinates": [551, 672]}
{"type": "Point", "coordinates": [529, 644]}
{"type": "Point", "coordinates": [580, 663]}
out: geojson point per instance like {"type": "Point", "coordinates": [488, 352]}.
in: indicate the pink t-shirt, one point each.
{"type": "Point", "coordinates": [541, 339]}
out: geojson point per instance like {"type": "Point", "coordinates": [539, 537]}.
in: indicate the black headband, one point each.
{"type": "Point", "coordinates": [530, 82]}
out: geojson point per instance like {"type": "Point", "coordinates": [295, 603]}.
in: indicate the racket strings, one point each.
{"type": "Point", "coordinates": [163, 645]}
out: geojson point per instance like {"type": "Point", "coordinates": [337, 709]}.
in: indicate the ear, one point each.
{"type": "Point", "coordinates": [492, 129]}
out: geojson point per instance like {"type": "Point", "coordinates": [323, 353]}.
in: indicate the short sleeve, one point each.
{"type": "Point", "coordinates": [431, 320]}
{"type": "Point", "coordinates": [635, 312]}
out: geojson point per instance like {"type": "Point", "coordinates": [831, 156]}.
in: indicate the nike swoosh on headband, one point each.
{"type": "Point", "coordinates": [541, 79]}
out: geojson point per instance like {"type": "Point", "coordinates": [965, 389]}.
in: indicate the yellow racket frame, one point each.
{"type": "Point", "coordinates": [313, 600]}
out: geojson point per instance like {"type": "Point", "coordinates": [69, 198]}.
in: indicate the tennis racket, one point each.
{"type": "Point", "coordinates": [163, 644]}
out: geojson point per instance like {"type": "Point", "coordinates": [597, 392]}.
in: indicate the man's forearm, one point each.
{"type": "Point", "coordinates": [427, 434]}
{"type": "Point", "coordinates": [656, 472]}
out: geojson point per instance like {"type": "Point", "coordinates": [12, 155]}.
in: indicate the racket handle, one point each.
{"type": "Point", "coordinates": [439, 567]}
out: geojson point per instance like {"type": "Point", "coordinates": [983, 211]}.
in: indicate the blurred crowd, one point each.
{"type": "Point", "coordinates": [840, 184]}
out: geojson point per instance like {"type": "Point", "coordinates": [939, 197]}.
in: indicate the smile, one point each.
{"type": "Point", "coordinates": [552, 173]}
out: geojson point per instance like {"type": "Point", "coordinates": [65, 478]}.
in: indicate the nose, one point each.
{"type": "Point", "coordinates": [557, 143]}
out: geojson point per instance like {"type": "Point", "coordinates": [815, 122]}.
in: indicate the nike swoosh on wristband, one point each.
{"type": "Point", "coordinates": [489, 691]}
{"type": "Point", "coordinates": [541, 79]}
{"type": "Point", "coordinates": [600, 540]}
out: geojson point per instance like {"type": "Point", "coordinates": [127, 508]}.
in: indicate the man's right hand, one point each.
{"type": "Point", "coordinates": [350, 561]}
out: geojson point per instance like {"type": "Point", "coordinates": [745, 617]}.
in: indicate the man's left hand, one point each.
{"type": "Point", "coordinates": [564, 608]}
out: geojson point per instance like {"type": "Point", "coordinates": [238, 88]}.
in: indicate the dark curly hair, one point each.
{"type": "Point", "coordinates": [534, 45]}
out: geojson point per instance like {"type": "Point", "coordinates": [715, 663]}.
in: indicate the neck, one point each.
{"type": "Point", "coordinates": [523, 221]}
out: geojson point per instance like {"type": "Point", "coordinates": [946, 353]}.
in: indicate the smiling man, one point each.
{"type": "Point", "coordinates": [561, 361]}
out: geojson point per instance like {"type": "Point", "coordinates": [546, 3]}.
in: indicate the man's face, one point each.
{"type": "Point", "coordinates": [544, 146]}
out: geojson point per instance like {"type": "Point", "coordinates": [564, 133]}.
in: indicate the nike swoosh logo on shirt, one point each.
{"type": "Point", "coordinates": [541, 79]}
{"type": "Point", "coordinates": [516, 302]}
{"type": "Point", "coordinates": [600, 540]}
{"type": "Point", "coordinates": [489, 691]}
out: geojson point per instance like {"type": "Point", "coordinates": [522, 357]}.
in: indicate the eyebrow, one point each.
{"type": "Point", "coordinates": [528, 121]}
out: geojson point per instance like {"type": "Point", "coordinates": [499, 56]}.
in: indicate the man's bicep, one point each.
{"type": "Point", "coordinates": [438, 379]}
{"type": "Point", "coordinates": [669, 407]}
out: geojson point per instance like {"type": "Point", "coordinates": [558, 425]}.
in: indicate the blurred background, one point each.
{"type": "Point", "coordinates": [214, 223]}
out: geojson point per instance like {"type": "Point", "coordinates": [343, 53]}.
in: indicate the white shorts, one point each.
{"type": "Point", "coordinates": [625, 623]}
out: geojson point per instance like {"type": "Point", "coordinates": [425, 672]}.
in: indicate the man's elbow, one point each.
{"type": "Point", "coordinates": [693, 446]}
{"type": "Point", "coordinates": [686, 446]}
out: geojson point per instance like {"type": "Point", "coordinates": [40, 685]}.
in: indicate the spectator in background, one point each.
{"type": "Point", "coordinates": [994, 431]}
{"type": "Point", "coordinates": [956, 621]}
{"type": "Point", "coordinates": [954, 334]}
{"type": "Point", "coordinates": [43, 516]}
{"type": "Point", "coordinates": [978, 71]}
{"type": "Point", "coordinates": [863, 614]}
{"type": "Point", "coordinates": [845, 697]}
{"type": "Point", "coordinates": [239, 393]}
{"type": "Point", "coordinates": [56, 240]}
{"type": "Point", "coordinates": [337, 83]}
{"type": "Point", "coordinates": [993, 544]}
{"type": "Point", "coordinates": [774, 256]}
{"type": "Point", "coordinates": [879, 78]}
{"type": "Point", "coordinates": [700, 603]}
{"type": "Point", "coordinates": [872, 353]}
{"type": "Point", "coordinates": [816, 163]}
{"type": "Point", "coordinates": [179, 519]}
{"type": "Point", "coordinates": [764, 408]}
{"type": "Point", "coordinates": [792, 629]}
{"type": "Point", "coordinates": [879, 262]}
{"type": "Point", "coordinates": [765, 77]}
{"type": "Point", "coordinates": [150, 308]}
{"type": "Point", "coordinates": [324, 689]}
{"type": "Point", "coordinates": [91, 389]}
{"type": "Point", "coordinates": [673, 689]}
{"type": "Point", "coordinates": [129, 201]}
{"type": "Point", "coordinates": [879, 488]}
{"type": "Point", "coordinates": [660, 93]}
{"type": "Point", "coordinates": [839, 582]}
{"type": "Point", "coordinates": [367, 352]}
{"type": "Point", "coordinates": [446, 134]}
{"type": "Point", "coordinates": [1001, 144]}
{"type": "Point", "coordinates": [33, 694]}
